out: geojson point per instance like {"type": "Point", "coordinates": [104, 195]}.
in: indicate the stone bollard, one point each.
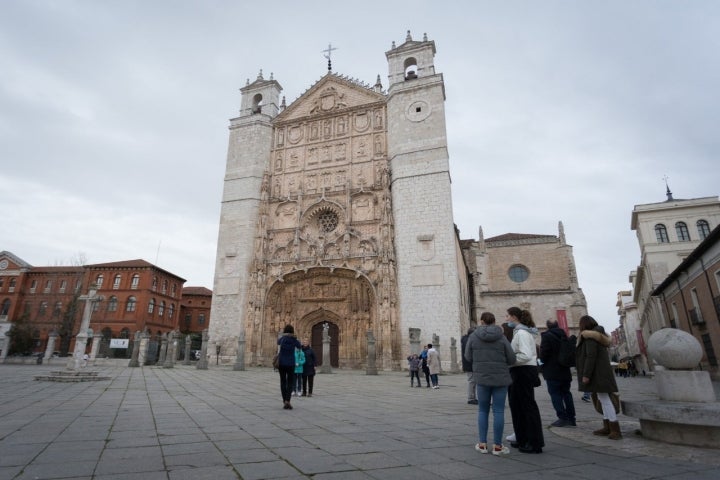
{"type": "Point", "coordinates": [240, 357]}
{"type": "Point", "coordinates": [134, 358]}
{"type": "Point", "coordinates": [188, 344]}
{"type": "Point", "coordinates": [202, 363]}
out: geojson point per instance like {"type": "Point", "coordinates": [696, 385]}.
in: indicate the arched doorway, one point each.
{"type": "Point", "coordinates": [316, 343]}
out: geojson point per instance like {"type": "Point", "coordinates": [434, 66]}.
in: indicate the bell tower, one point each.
{"type": "Point", "coordinates": [250, 143]}
{"type": "Point", "coordinates": [430, 266]}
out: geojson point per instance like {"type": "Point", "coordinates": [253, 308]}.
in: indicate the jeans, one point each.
{"type": "Point", "coordinates": [434, 379]}
{"type": "Point", "coordinates": [487, 396]}
{"type": "Point", "coordinates": [298, 383]}
{"type": "Point", "coordinates": [413, 375]}
{"type": "Point", "coordinates": [561, 398]}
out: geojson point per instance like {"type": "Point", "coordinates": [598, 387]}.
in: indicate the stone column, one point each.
{"type": "Point", "coordinates": [171, 350]}
{"type": "Point", "coordinates": [240, 358]}
{"type": "Point", "coordinates": [188, 344]}
{"type": "Point", "coordinates": [94, 347]}
{"type": "Point", "coordinates": [76, 361]}
{"type": "Point", "coordinates": [202, 364]}
{"type": "Point", "coordinates": [415, 347]}
{"type": "Point", "coordinates": [453, 356]}
{"type": "Point", "coordinates": [326, 366]}
{"type": "Point", "coordinates": [50, 345]}
{"type": "Point", "coordinates": [163, 349]}
{"type": "Point", "coordinates": [136, 351]}
{"type": "Point", "coordinates": [371, 367]}
{"type": "Point", "coordinates": [436, 346]}
{"type": "Point", "coordinates": [142, 348]}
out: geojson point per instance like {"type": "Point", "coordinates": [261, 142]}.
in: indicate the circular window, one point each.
{"type": "Point", "coordinates": [518, 273]}
{"type": "Point", "coordinates": [328, 221]}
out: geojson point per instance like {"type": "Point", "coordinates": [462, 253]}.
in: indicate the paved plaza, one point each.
{"type": "Point", "coordinates": [182, 423]}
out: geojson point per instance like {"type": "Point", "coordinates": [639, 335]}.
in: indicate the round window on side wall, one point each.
{"type": "Point", "coordinates": [518, 273]}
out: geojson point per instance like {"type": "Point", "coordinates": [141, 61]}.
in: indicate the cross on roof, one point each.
{"type": "Point", "coordinates": [327, 54]}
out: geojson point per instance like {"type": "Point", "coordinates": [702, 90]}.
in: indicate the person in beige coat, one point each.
{"type": "Point", "coordinates": [433, 361]}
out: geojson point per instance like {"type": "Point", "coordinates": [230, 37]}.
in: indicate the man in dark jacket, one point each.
{"type": "Point", "coordinates": [557, 377]}
{"type": "Point", "coordinates": [467, 368]}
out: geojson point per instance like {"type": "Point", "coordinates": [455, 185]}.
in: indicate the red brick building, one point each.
{"type": "Point", "coordinates": [137, 296]}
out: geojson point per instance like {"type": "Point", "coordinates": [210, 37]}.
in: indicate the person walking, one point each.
{"type": "Point", "coordinates": [424, 365]}
{"type": "Point", "coordinates": [595, 373]}
{"type": "Point", "coordinates": [558, 377]}
{"type": "Point", "coordinates": [467, 368]}
{"type": "Point", "coordinates": [308, 374]}
{"type": "Point", "coordinates": [490, 355]}
{"type": "Point", "coordinates": [287, 343]}
{"type": "Point", "coordinates": [433, 362]}
{"type": "Point", "coordinates": [524, 373]}
{"type": "Point", "coordinates": [414, 367]}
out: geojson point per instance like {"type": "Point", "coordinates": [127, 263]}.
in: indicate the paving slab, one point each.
{"type": "Point", "coordinates": [173, 424]}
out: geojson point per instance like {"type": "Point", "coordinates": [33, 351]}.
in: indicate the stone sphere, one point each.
{"type": "Point", "coordinates": [675, 349]}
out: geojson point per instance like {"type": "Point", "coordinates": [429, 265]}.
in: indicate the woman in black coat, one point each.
{"type": "Point", "coordinates": [308, 375]}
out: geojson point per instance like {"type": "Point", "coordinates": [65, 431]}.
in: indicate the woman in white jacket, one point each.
{"type": "Point", "coordinates": [523, 408]}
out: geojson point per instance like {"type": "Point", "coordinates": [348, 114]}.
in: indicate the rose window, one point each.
{"type": "Point", "coordinates": [328, 221]}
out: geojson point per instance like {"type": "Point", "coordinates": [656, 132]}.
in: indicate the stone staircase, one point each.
{"type": "Point", "coordinates": [71, 377]}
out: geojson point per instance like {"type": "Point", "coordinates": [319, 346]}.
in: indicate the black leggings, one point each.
{"type": "Point", "coordinates": [287, 381]}
{"type": "Point", "coordinates": [308, 381]}
{"type": "Point", "coordinates": [525, 413]}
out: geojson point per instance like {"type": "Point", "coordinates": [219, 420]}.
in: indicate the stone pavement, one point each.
{"type": "Point", "coordinates": [182, 423]}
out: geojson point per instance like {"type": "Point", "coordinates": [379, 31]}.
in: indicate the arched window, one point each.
{"type": "Point", "coordinates": [164, 286]}
{"type": "Point", "coordinates": [703, 228]}
{"type": "Point", "coordinates": [131, 304]}
{"type": "Point", "coordinates": [154, 284]}
{"type": "Point", "coordinates": [161, 308]}
{"type": "Point", "coordinates": [411, 68]}
{"type": "Point", "coordinates": [112, 304]}
{"type": "Point", "coordinates": [661, 233]}
{"type": "Point", "coordinates": [99, 280]}
{"type": "Point", "coordinates": [682, 232]}
{"type": "Point", "coordinates": [135, 282]}
{"type": "Point", "coordinates": [5, 308]}
{"type": "Point", "coordinates": [57, 310]}
{"type": "Point", "coordinates": [116, 281]}
{"type": "Point", "coordinates": [151, 305]}
{"type": "Point", "coordinates": [173, 289]}
{"type": "Point", "coordinates": [43, 308]}
{"type": "Point", "coordinates": [171, 310]}
{"type": "Point", "coordinates": [257, 103]}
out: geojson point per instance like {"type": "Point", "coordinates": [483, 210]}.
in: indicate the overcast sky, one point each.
{"type": "Point", "coordinates": [114, 116]}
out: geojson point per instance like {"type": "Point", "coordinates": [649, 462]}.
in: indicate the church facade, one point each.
{"type": "Point", "coordinates": [337, 214]}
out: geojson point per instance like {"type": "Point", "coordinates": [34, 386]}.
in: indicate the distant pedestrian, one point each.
{"type": "Point", "coordinates": [558, 378]}
{"type": "Point", "coordinates": [287, 343]}
{"type": "Point", "coordinates": [299, 364]}
{"type": "Point", "coordinates": [467, 368]}
{"type": "Point", "coordinates": [424, 365]}
{"type": "Point", "coordinates": [414, 367]}
{"type": "Point", "coordinates": [595, 373]}
{"type": "Point", "coordinates": [433, 363]}
{"type": "Point", "coordinates": [308, 375]}
{"type": "Point", "coordinates": [491, 355]}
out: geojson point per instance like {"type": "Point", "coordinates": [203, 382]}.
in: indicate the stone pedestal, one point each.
{"type": "Point", "coordinates": [142, 353]}
{"type": "Point", "coordinates": [202, 363]}
{"type": "Point", "coordinates": [371, 354]}
{"type": "Point", "coordinates": [188, 344]}
{"type": "Point", "coordinates": [453, 356]}
{"type": "Point", "coordinates": [134, 357]}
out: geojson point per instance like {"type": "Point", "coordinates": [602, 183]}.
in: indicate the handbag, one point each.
{"type": "Point", "coordinates": [614, 398]}
{"type": "Point", "coordinates": [276, 361]}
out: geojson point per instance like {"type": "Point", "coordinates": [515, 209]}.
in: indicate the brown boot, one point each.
{"type": "Point", "coordinates": [605, 430]}
{"type": "Point", "coordinates": [615, 433]}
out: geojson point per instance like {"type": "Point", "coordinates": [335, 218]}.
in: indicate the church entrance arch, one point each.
{"type": "Point", "coordinates": [307, 299]}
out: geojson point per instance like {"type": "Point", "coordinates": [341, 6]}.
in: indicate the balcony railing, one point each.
{"type": "Point", "coordinates": [695, 317]}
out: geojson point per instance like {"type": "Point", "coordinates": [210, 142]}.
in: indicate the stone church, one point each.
{"type": "Point", "coordinates": [337, 214]}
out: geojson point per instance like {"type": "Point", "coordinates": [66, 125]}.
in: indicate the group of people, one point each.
{"type": "Point", "coordinates": [502, 362]}
{"type": "Point", "coordinates": [296, 364]}
{"type": "Point", "coordinates": [429, 362]}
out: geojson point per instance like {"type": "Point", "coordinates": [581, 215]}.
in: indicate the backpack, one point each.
{"type": "Point", "coordinates": [566, 352]}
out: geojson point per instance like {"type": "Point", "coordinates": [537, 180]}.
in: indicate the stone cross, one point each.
{"type": "Point", "coordinates": [327, 54]}
{"type": "Point", "coordinates": [76, 361]}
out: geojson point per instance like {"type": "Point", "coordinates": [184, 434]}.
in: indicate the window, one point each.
{"type": "Point", "coordinates": [518, 273]}
{"type": "Point", "coordinates": [171, 311]}
{"type": "Point", "coordinates": [43, 308]}
{"type": "Point", "coordinates": [48, 286]}
{"type": "Point", "coordinates": [188, 319]}
{"type": "Point", "coordinates": [5, 308]}
{"type": "Point", "coordinates": [112, 304]}
{"type": "Point", "coordinates": [135, 282]}
{"type": "Point", "coordinates": [33, 286]}
{"type": "Point", "coordinates": [173, 289]}
{"type": "Point", "coordinates": [709, 350]}
{"type": "Point", "coordinates": [201, 319]}
{"type": "Point", "coordinates": [673, 320]}
{"type": "Point", "coordinates": [164, 286]}
{"type": "Point", "coordinates": [154, 284]}
{"type": "Point", "coordinates": [131, 304]}
{"type": "Point", "coordinates": [661, 233]}
{"type": "Point", "coordinates": [151, 306]}
{"type": "Point", "coordinates": [57, 310]}
{"type": "Point", "coordinates": [11, 286]}
{"type": "Point", "coordinates": [682, 232]}
{"type": "Point", "coordinates": [695, 314]}
{"type": "Point", "coordinates": [161, 308]}
{"type": "Point", "coordinates": [116, 281]}
{"type": "Point", "coordinates": [99, 280]}
{"type": "Point", "coordinates": [2, 282]}
{"type": "Point", "coordinates": [703, 228]}
{"type": "Point", "coordinates": [63, 286]}
{"type": "Point", "coordinates": [328, 221]}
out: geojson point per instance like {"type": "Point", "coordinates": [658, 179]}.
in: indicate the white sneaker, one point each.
{"type": "Point", "coordinates": [511, 438]}
{"type": "Point", "coordinates": [502, 451]}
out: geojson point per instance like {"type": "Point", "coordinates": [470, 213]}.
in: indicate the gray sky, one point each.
{"type": "Point", "coordinates": [114, 116]}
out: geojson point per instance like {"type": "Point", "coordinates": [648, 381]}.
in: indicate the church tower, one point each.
{"type": "Point", "coordinates": [431, 274]}
{"type": "Point", "coordinates": [250, 142]}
